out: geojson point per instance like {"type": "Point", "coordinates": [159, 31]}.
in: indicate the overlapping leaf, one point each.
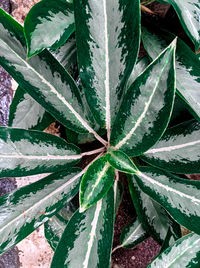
{"type": "Point", "coordinates": [152, 216]}
{"type": "Point", "coordinates": [25, 209]}
{"type": "Point", "coordinates": [180, 197]}
{"type": "Point", "coordinates": [96, 182]}
{"type": "Point", "coordinates": [26, 152]}
{"type": "Point", "coordinates": [26, 113]}
{"type": "Point", "coordinates": [137, 70]}
{"type": "Point", "coordinates": [48, 25]}
{"type": "Point", "coordinates": [178, 150]}
{"type": "Point", "coordinates": [188, 13]}
{"type": "Point", "coordinates": [132, 235]}
{"type": "Point", "coordinates": [53, 230]}
{"type": "Point", "coordinates": [107, 44]}
{"type": "Point", "coordinates": [184, 253]}
{"type": "Point", "coordinates": [187, 66]}
{"type": "Point", "coordinates": [87, 239]}
{"type": "Point", "coordinates": [146, 107]}
{"type": "Point", "coordinates": [55, 226]}
{"type": "Point", "coordinates": [66, 54]}
{"type": "Point", "coordinates": [42, 77]}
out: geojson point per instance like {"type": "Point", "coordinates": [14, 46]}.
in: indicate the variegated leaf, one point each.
{"type": "Point", "coordinates": [87, 239]}
{"type": "Point", "coordinates": [146, 108]}
{"type": "Point", "coordinates": [28, 152]}
{"type": "Point", "coordinates": [96, 182]}
{"type": "Point", "coordinates": [42, 77]}
{"type": "Point", "coordinates": [107, 45]}
{"type": "Point", "coordinates": [25, 209]}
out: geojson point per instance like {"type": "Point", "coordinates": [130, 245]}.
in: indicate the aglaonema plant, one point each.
{"type": "Point", "coordinates": [92, 83]}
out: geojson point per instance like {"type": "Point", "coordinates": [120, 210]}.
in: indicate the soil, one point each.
{"type": "Point", "coordinates": [141, 255]}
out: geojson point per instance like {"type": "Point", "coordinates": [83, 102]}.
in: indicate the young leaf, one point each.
{"type": "Point", "coordinates": [87, 239]}
{"type": "Point", "coordinates": [96, 182]}
{"type": "Point", "coordinates": [152, 216]}
{"type": "Point", "coordinates": [178, 196]}
{"type": "Point", "coordinates": [187, 12]}
{"type": "Point", "coordinates": [187, 66]}
{"type": "Point", "coordinates": [26, 113]}
{"type": "Point", "coordinates": [42, 77]}
{"type": "Point", "coordinates": [108, 40]}
{"type": "Point", "coordinates": [184, 253]}
{"type": "Point", "coordinates": [48, 25]}
{"type": "Point", "coordinates": [27, 152]}
{"type": "Point", "coordinates": [132, 235]}
{"type": "Point", "coordinates": [178, 150]}
{"type": "Point", "coordinates": [121, 161]}
{"type": "Point", "coordinates": [25, 209]}
{"type": "Point", "coordinates": [146, 107]}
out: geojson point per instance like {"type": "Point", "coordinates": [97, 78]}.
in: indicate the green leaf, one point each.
{"type": "Point", "coordinates": [118, 193]}
{"type": "Point", "coordinates": [55, 226]}
{"type": "Point", "coordinates": [48, 25]}
{"type": "Point", "coordinates": [66, 54]}
{"type": "Point", "coordinates": [178, 196]}
{"type": "Point", "coordinates": [173, 234]}
{"type": "Point", "coordinates": [42, 77]}
{"type": "Point", "coordinates": [26, 113]}
{"type": "Point", "coordinates": [132, 235]}
{"type": "Point", "coordinates": [184, 253]}
{"type": "Point", "coordinates": [96, 182]}
{"type": "Point", "coordinates": [108, 40]}
{"type": "Point", "coordinates": [178, 150]}
{"type": "Point", "coordinates": [87, 240]}
{"type": "Point", "coordinates": [187, 66]}
{"type": "Point", "coordinates": [28, 152]}
{"type": "Point", "coordinates": [53, 230]}
{"type": "Point", "coordinates": [180, 112]}
{"type": "Point", "coordinates": [146, 107]}
{"type": "Point", "coordinates": [137, 70]}
{"type": "Point", "coordinates": [188, 13]}
{"type": "Point", "coordinates": [121, 161]}
{"type": "Point", "coordinates": [25, 209]}
{"type": "Point", "coordinates": [152, 215]}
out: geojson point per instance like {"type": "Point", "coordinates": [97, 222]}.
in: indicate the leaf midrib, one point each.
{"type": "Point", "coordinates": [166, 187]}
{"type": "Point", "coordinates": [92, 233]}
{"type": "Point", "coordinates": [59, 95]}
{"type": "Point", "coordinates": [42, 157]}
{"type": "Point", "coordinates": [172, 148]}
{"type": "Point", "coordinates": [107, 80]}
{"type": "Point", "coordinates": [182, 253]}
{"type": "Point", "coordinates": [142, 116]}
{"type": "Point", "coordinates": [41, 201]}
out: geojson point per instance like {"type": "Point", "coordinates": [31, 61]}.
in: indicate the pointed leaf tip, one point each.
{"type": "Point", "coordinates": [121, 161]}
{"type": "Point", "coordinates": [146, 107]}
